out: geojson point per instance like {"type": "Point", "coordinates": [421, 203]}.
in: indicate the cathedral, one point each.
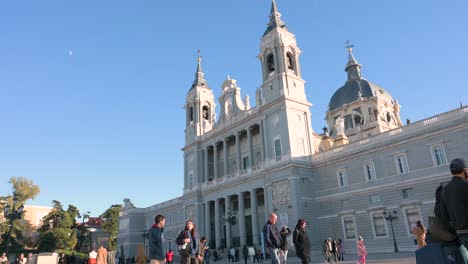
{"type": "Point", "coordinates": [366, 174]}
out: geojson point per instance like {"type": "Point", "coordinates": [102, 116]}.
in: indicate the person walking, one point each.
{"type": "Point", "coordinates": [4, 259]}
{"type": "Point", "coordinates": [285, 232]}
{"type": "Point", "coordinates": [334, 251]}
{"type": "Point", "coordinates": [155, 240]}
{"type": "Point", "coordinates": [301, 241]}
{"type": "Point", "coordinates": [102, 255]}
{"type": "Point", "coordinates": [169, 256]}
{"type": "Point", "coordinates": [141, 257]}
{"type": "Point", "coordinates": [187, 243]}
{"type": "Point", "coordinates": [341, 250]}
{"type": "Point", "coordinates": [361, 250]}
{"type": "Point", "coordinates": [245, 253]}
{"type": "Point", "coordinates": [272, 238]}
{"type": "Point", "coordinates": [92, 257]}
{"type": "Point", "coordinates": [22, 260]}
{"type": "Point", "coordinates": [202, 248]}
{"type": "Point", "coordinates": [454, 200]}
{"type": "Point", "coordinates": [326, 251]}
{"type": "Point", "coordinates": [419, 230]}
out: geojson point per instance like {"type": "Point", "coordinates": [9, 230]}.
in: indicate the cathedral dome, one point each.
{"type": "Point", "coordinates": [353, 90]}
{"type": "Point", "coordinates": [355, 87]}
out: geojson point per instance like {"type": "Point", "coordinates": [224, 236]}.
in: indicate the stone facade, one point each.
{"type": "Point", "coordinates": [251, 161]}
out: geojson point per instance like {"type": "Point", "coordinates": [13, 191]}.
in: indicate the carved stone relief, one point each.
{"type": "Point", "coordinates": [280, 192]}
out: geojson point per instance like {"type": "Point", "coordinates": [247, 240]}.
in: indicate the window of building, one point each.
{"type": "Point", "coordinates": [369, 171]}
{"type": "Point", "coordinates": [438, 155]}
{"type": "Point", "coordinates": [270, 63]}
{"type": "Point", "coordinates": [349, 227]}
{"type": "Point", "coordinates": [278, 149]}
{"type": "Point", "coordinates": [412, 216]}
{"type": "Point", "coordinates": [375, 198]}
{"type": "Point", "coordinates": [206, 112]}
{"type": "Point", "coordinates": [405, 192]}
{"type": "Point", "coordinates": [290, 61]}
{"type": "Point", "coordinates": [245, 163]}
{"type": "Point", "coordinates": [342, 179]}
{"type": "Point", "coordinates": [348, 122]}
{"type": "Point", "coordinates": [379, 225]}
{"type": "Point", "coordinates": [401, 163]}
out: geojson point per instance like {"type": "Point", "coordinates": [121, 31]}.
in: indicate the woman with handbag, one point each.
{"type": "Point", "coordinates": [188, 243]}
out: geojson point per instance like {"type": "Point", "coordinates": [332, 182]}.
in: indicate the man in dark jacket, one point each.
{"type": "Point", "coordinates": [155, 237]}
{"type": "Point", "coordinates": [272, 238]}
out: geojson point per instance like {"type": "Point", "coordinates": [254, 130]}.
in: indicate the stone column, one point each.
{"type": "Point", "coordinates": [241, 217]}
{"type": "Point", "coordinates": [268, 201]}
{"type": "Point", "coordinates": [215, 160]}
{"type": "Point", "coordinates": [266, 143]}
{"type": "Point", "coordinates": [208, 221]}
{"type": "Point", "coordinates": [217, 224]}
{"type": "Point", "coordinates": [238, 152]}
{"type": "Point", "coordinates": [262, 144]}
{"type": "Point", "coordinates": [225, 152]}
{"type": "Point", "coordinates": [249, 143]}
{"type": "Point", "coordinates": [227, 206]}
{"type": "Point", "coordinates": [254, 210]}
{"type": "Point", "coordinates": [206, 164]}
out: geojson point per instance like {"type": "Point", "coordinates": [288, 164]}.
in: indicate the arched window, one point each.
{"type": "Point", "coordinates": [270, 63]}
{"type": "Point", "coordinates": [206, 112]}
{"type": "Point", "coordinates": [291, 63]}
{"type": "Point", "coordinates": [191, 114]}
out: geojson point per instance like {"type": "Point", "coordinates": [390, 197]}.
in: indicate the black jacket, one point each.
{"type": "Point", "coordinates": [271, 235]}
{"type": "Point", "coordinates": [454, 204]}
{"type": "Point", "coordinates": [301, 242]}
{"type": "Point", "coordinates": [155, 237]}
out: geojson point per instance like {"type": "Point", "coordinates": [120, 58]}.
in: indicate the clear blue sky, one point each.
{"type": "Point", "coordinates": [92, 92]}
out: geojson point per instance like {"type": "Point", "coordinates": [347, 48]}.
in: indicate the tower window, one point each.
{"type": "Point", "coordinates": [271, 63]}
{"type": "Point", "coordinates": [191, 114]}
{"type": "Point", "coordinates": [206, 112]}
{"type": "Point", "coordinates": [290, 61]}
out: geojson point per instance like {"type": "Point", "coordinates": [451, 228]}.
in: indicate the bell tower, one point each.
{"type": "Point", "coordinates": [199, 107]}
{"type": "Point", "coordinates": [279, 57]}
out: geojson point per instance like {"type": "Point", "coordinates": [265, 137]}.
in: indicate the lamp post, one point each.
{"type": "Point", "coordinates": [390, 216]}
{"type": "Point", "coordinates": [230, 219]}
{"type": "Point", "coordinates": [12, 214]}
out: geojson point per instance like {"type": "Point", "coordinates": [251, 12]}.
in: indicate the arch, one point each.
{"type": "Point", "coordinates": [270, 63]}
{"type": "Point", "coordinates": [206, 112]}
{"type": "Point", "coordinates": [290, 60]}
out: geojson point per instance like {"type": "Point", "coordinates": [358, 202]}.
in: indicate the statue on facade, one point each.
{"type": "Point", "coordinates": [247, 102]}
{"type": "Point", "coordinates": [128, 204]}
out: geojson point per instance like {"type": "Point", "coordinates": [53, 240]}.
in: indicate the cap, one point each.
{"type": "Point", "coordinates": [457, 166]}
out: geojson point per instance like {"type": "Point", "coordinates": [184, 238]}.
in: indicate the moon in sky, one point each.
{"type": "Point", "coordinates": [70, 52]}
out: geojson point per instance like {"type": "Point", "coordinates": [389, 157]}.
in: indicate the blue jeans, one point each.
{"type": "Point", "coordinates": [274, 255]}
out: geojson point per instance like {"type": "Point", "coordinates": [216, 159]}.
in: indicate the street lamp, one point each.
{"type": "Point", "coordinates": [12, 214]}
{"type": "Point", "coordinates": [392, 215]}
{"type": "Point", "coordinates": [231, 220]}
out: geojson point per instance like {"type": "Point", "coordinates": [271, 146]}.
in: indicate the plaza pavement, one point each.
{"type": "Point", "coordinates": [381, 258]}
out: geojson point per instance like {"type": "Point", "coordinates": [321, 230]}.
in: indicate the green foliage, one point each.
{"type": "Point", "coordinates": [24, 189]}
{"type": "Point", "coordinates": [47, 242]}
{"type": "Point", "coordinates": [61, 224]}
{"type": "Point", "coordinates": [111, 223]}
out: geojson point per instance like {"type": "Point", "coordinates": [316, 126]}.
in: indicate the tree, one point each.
{"type": "Point", "coordinates": [111, 223]}
{"type": "Point", "coordinates": [61, 225]}
{"type": "Point", "coordinates": [24, 189]}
